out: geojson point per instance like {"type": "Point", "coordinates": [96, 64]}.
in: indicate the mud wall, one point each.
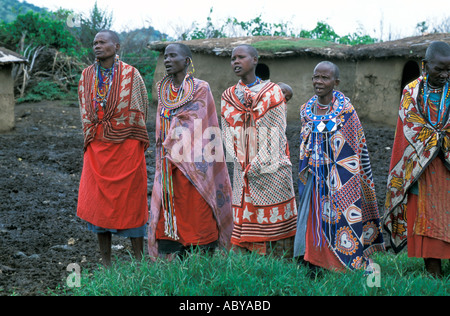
{"type": "Point", "coordinates": [216, 70]}
{"type": "Point", "coordinates": [6, 99]}
{"type": "Point", "coordinates": [377, 89]}
{"type": "Point", "coordinates": [297, 72]}
{"type": "Point", "coordinates": [373, 86]}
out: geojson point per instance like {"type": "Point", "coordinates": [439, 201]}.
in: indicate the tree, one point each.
{"type": "Point", "coordinates": [38, 29]}
{"type": "Point", "coordinates": [422, 27]}
{"type": "Point", "coordinates": [257, 27]}
{"type": "Point", "coordinates": [96, 21]}
{"type": "Point", "coordinates": [209, 31]}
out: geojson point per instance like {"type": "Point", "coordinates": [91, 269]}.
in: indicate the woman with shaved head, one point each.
{"type": "Point", "coordinates": [112, 196]}
{"type": "Point", "coordinates": [254, 125]}
{"type": "Point", "coordinates": [418, 195]}
{"type": "Point", "coordinates": [338, 224]}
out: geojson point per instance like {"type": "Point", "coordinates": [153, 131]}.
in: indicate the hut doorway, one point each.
{"type": "Point", "coordinates": [262, 71]}
{"type": "Point", "coordinates": [411, 71]}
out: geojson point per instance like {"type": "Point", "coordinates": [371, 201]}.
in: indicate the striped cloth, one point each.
{"type": "Point", "coordinates": [126, 109]}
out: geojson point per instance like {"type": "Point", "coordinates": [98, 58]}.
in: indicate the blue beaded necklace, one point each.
{"type": "Point", "coordinates": [326, 123]}
{"type": "Point", "coordinates": [426, 94]}
{"type": "Point", "coordinates": [257, 81]}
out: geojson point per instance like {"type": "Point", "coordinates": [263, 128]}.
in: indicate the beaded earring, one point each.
{"type": "Point", "coordinates": [193, 68]}
{"type": "Point", "coordinates": [424, 72]}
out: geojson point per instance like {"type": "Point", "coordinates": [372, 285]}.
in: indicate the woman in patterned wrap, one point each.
{"type": "Point", "coordinates": [338, 220]}
{"type": "Point", "coordinates": [191, 196]}
{"type": "Point", "coordinates": [112, 196]}
{"type": "Point", "coordinates": [254, 125]}
{"type": "Point", "coordinates": [418, 188]}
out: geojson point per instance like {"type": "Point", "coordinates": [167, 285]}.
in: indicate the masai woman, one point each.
{"type": "Point", "coordinates": [338, 223]}
{"type": "Point", "coordinates": [254, 127]}
{"type": "Point", "coordinates": [418, 188]}
{"type": "Point", "coordinates": [113, 187]}
{"type": "Point", "coordinates": [191, 196]}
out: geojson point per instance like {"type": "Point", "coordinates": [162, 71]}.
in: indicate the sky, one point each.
{"type": "Point", "coordinates": [382, 19]}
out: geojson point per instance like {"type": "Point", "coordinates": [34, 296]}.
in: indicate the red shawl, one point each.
{"type": "Point", "coordinates": [254, 129]}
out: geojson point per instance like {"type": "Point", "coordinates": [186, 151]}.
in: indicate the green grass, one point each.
{"type": "Point", "coordinates": [286, 45]}
{"type": "Point", "coordinates": [236, 274]}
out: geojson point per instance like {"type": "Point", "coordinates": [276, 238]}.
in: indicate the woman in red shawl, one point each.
{"type": "Point", "coordinates": [418, 188]}
{"type": "Point", "coordinates": [191, 196]}
{"type": "Point", "coordinates": [113, 186]}
{"type": "Point", "coordinates": [254, 128]}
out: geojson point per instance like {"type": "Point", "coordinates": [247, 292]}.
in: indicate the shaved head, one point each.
{"type": "Point", "coordinates": [333, 66]}
{"type": "Point", "coordinates": [183, 49]}
{"type": "Point", "coordinates": [250, 49]}
{"type": "Point", "coordinates": [113, 35]}
{"type": "Point", "coordinates": [437, 48]}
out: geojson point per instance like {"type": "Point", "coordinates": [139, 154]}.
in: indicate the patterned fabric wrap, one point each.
{"type": "Point", "coordinates": [342, 196]}
{"type": "Point", "coordinates": [194, 134]}
{"type": "Point", "coordinates": [417, 142]}
{"type": "Point", "coordinates": [170, 101]}
{"type": "Point", "coordinates": [126, 109]}
{"type": "Point", "coordinates": [254, 129]}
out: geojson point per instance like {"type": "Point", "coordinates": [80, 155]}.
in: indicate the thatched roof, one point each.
{"type": "Point", "coordinates": [411, 47]}
{"type": "Point", "coordinates": [9, 57]}
{"type": "Point", "coordinates": [268, 46]}
{"type": "Point", "coordinates": [277, 46]}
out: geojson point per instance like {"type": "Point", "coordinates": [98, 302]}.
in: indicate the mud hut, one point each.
{"type": "Point", "coordinates": [372, 76]}
{"type": "Point", "coordinates": [7, 102]}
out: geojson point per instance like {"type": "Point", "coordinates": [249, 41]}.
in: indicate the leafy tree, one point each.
{"type": "Point", "coordinates": [324, 32]}
{"type": "Point", "coordinates": [422, 27]}
{"type": "Point", "coordinates": [257, 27]}
{"type": "Point", "coordinates": [356, 39]}
{"type": "Point", "coordinates": [38, 29]}
{"type": "Point", "coordinates": [209, 31]}
{"type": "Point", "coordinates": [89, 26]}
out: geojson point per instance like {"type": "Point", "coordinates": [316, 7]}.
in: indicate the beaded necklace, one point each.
{"type": "Point", "coordinates": [257, 81]}
{"type": "Point", "coordinates": [185, 92]}
{"type": "Point", "coordinates": [444, 96]}
{"type": "Point", "coordinates": [329, 122]}
{"type": "Point", "coordinates": [324, 107]}
{"type": "Point", "coordinates": [171, 98]}
{"type": "Point", "coordinates": [103, 83]}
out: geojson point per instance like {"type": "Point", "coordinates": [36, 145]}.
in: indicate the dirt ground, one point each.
{"type": "Point", "coordinates": [40, 168]}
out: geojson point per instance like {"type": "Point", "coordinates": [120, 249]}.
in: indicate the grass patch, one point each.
{"type": "Point", "coordinates": [236, 274]}
{"type": "Point", "coordinates": [286, 45]}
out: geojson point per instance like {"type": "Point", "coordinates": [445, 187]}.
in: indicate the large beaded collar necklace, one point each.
{"type": "Point", "coordinates": [328, 122]}
{"type": "Point", "coordinates": [185, 93]}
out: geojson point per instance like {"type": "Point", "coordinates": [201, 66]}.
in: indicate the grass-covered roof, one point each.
{"type": "Point", "coordinates": [274, 47]}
